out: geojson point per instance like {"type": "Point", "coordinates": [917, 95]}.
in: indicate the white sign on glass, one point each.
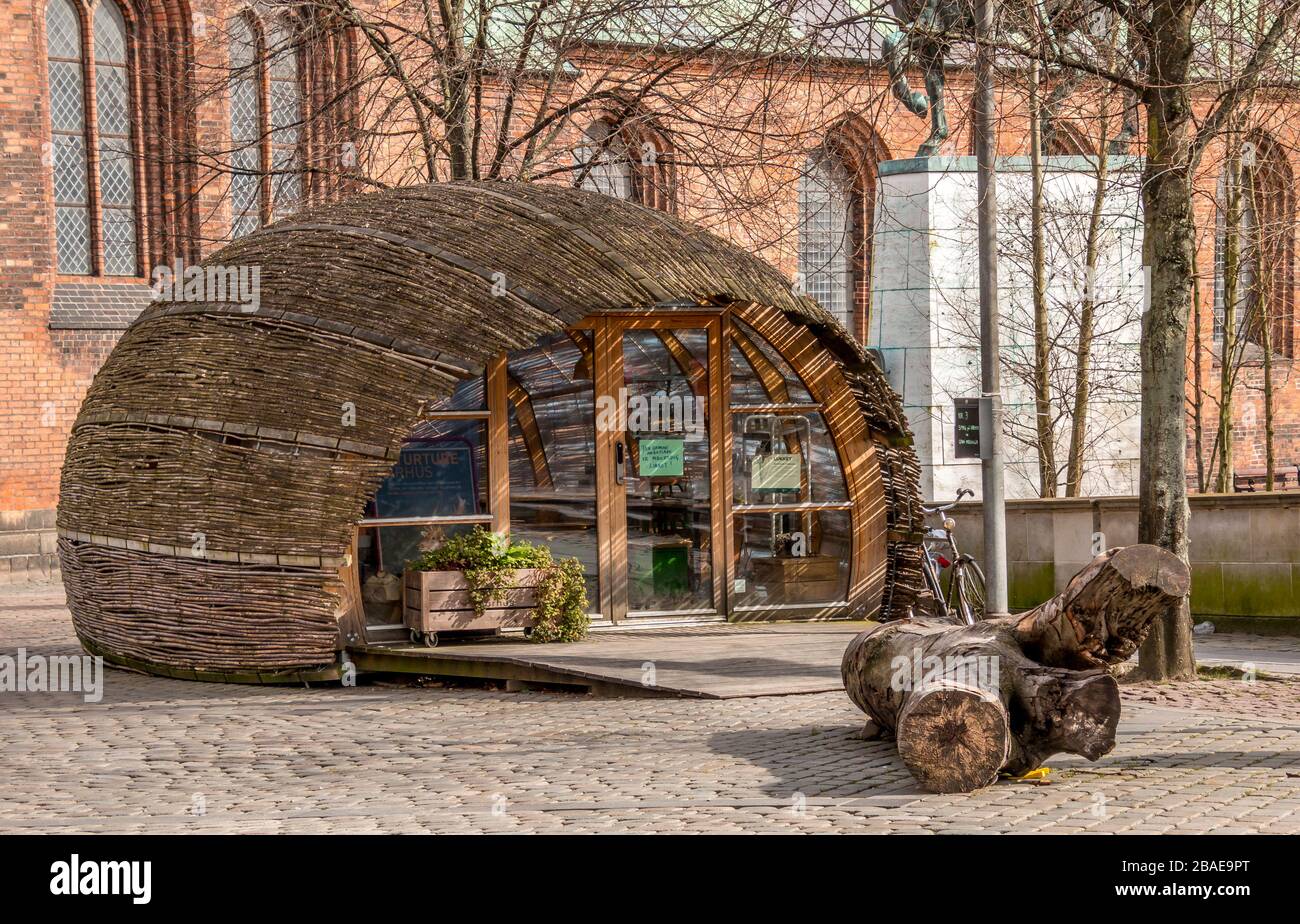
{"type": "Point", "coordinates": [778, 471]}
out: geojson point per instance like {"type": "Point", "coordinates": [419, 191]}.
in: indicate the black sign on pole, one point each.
{"type": "Point", "coordinates": [966, 413]}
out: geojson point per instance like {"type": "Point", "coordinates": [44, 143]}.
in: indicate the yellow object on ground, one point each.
{"type": "Point", "coordinates": [1033, 776]}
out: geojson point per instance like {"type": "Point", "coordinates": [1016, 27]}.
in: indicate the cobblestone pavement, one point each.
{"type": "Point", "coordinates": [170, 756]}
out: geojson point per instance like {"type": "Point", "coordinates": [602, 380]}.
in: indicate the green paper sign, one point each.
{"type": "Point", "coordinates": [660, 458]}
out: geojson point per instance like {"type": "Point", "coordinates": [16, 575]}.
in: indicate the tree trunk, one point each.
{"type": "Point", "coordinates": [967, 702]}
{"type": "Point", "coordinates": [456, 75]}
{"type": "Point", "coordinates": [1044, 432]}
{"type": "Point", "coordinates": [1168, 241]}
{"type": "Point", "coordinates": [1231, 280]}
{"type": "Point", "coordinates": [1264, 257]}
{"type": "Point", "coordinates": [1270, 452]}
{"type": "Point", "coordinates": [1198, 379]}
{"type": "Point", "coordinates": [1087, 319]}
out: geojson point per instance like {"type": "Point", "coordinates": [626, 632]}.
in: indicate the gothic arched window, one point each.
{"type": "Point", "coordinates": [94, 159]}
{"type": "Point", "coordinates": [826, 234]}
{"type": "Point", "coordinates": [634, 163]}
{"type": "Point", "coordinates": [1256, 195]}
{"type": "Point", "coordinates": [266, 114]}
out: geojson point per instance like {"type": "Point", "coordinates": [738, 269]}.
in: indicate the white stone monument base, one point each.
{"type": "Point", "coordinates": [925, 313]}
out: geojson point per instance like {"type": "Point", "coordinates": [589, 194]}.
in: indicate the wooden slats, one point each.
{"type": "Point", "coordinates": [279, 420]}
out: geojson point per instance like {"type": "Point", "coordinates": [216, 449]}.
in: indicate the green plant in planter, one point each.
{"type": "Point", "coordinates": [488, 560]}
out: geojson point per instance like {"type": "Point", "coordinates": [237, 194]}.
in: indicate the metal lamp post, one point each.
{"type": "Point", "coordinates": [994, 499]}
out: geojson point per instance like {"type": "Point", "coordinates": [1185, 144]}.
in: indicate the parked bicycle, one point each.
{"type": "Point", "coordinates": [961, 597]}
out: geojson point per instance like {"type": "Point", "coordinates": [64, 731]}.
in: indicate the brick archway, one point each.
{"type": "Point", "coordinates": [166, 117]}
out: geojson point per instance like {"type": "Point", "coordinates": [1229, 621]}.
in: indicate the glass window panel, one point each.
{"type": "Point", "coordinates": [759, 374]}
{"type": "Point", "coordinates": [62, 30]}
{"type": "Point", "coordinates": [283, 62]}
{"type": "Point", "coordinates": [245, 195]}
{"type": "Point", "coordinates": [69, 169]}
{"type": "Point", "coordinates": [553, 450]}
{"type": "Point", "coordinates": [285, 116]}
{"type": "Point", "coordinates": [745, 385]}
{"type": "Point", "coordinates": [825, 239]}
{"type": "Point", "coordinates": [244, 114]}
{"type": "Point", "coordinates": [442, 472]}
{"type": "Point", "coordinates": [828, 485]}
{"type": "Point", "coordinates": [245, 130]}
{"type": "Point", "coordinates": [286, 182]}
{"type": "Point", "coordinates": [67, 101]}
{"type": "Point", "coordinates": [243, 44]}
{"type": "Point", "coordinates": [762, 472]}
{"type": "Point", "coordinates": [470, 395]}
{"type": "Point", "coordinates": [116, 186]}
{"type": "Point", "coordinates": [110, 34]}
{"type": "Point", "coordinates": [116, 174]}
{"type": "Point", "coordinates": [72, 230]}
{"type": "Point", "coordinates": [382, 554]}
{"type": "Point", "coordinates": [610, 172]}
{"type": "Point", "coordinates": [286, 105]}
{"type": "Point", "coordinates": [667, 476]}
{"type": "Point", "coordinates": [68, 126]}
{"type": "Point", "coordinates": [111, 100]}
{"type": "Point", "coordinates": [792, 559]}
{"type": "Point", "coordinates": [1247, 235]}
{"type": "Point", "coordinates": [119, 242]}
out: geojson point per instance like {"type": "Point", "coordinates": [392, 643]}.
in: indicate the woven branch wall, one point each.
{"type": "Point", "coordinates": [223, 451]}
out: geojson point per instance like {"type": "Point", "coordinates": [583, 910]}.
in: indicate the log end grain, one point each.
{"type": "Point", "coordinates": [954, 738]}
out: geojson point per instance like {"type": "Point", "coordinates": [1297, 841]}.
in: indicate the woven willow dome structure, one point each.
{"type": "Point", "coordinates": [225, 451]}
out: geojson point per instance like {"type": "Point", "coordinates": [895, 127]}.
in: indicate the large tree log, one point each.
{"type": "Point", "coordinates": [965, 702]}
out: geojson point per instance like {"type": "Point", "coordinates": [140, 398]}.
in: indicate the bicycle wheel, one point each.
{"type": "Point", "coordinates": [969, 585]}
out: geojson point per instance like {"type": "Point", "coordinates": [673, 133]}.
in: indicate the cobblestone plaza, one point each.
{"type": "Point", "coordinates": [158, 755]}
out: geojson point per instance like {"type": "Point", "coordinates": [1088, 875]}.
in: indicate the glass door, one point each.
{"type": "Point", "coordinates": [659, 420]}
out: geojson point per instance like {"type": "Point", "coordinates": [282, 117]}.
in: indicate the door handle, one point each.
{"type": "Point", "coordinates": [620, 464]}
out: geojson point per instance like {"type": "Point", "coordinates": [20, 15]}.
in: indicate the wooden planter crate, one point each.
{"type": "Point", "coordinates": [438, 601]}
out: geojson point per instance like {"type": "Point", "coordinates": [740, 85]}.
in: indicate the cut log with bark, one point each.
{"type": "Point", "coordinates": [965, 703]}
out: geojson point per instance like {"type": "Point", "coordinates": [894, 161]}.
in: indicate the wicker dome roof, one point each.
{"type": "Point", "coordinates": [225, 450]}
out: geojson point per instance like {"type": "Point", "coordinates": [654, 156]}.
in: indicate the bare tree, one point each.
{"type": "Point", "coordinates": [1167, 57]}
{"type": "Point", "coordinates": [1064, 240]}
{"type": "Point", "coordinates": [674, 99]}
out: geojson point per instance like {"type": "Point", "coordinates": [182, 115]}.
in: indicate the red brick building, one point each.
{"type": "Point", "coordinates": [108, 123]}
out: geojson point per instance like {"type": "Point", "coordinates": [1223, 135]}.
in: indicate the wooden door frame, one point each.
{"type": "Point", "coordinates": [808, 358]}
{"type": "Point", "coordinates": [611, 498]}
{"type": "Point", "coordinates": [855, 448]}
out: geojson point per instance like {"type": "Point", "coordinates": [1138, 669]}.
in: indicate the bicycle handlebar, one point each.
{"type": "Point", "coordinates": [961, 492]}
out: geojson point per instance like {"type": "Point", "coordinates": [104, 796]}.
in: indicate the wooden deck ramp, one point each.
{"type": "Point", "coordinates": [717, 661]}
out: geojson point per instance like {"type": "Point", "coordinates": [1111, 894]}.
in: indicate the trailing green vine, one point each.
{"type": "Point", "coordinates": [489, 561]}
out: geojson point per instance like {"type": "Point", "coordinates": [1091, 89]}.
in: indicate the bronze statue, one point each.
{"type": "Point", "coordinates": [933, 25]}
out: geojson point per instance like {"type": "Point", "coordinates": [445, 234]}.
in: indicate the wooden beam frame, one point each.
{"type": "Point", "coordinates": [517, 395]}
{"type": "Point", "coordinates": [808, 359]}
{"type": "Point", "coordinates": [821, 374]}
{"type": "Point", "coordinates": [498, 435]}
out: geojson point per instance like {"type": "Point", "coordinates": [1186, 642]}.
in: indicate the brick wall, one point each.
{"type": "Point", "coordinates": [39, 394]}
{"type": "Point", "coordinates": [56, 330]}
